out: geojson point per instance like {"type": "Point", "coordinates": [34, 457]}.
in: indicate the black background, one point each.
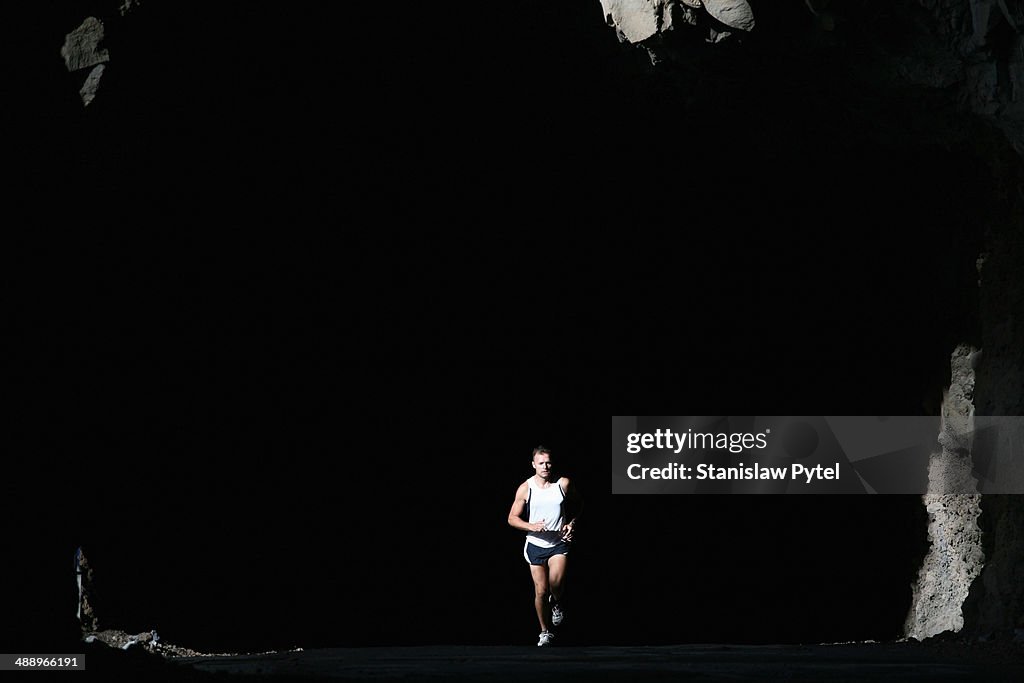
{"type": "Point", "coordinates": [300, 291]}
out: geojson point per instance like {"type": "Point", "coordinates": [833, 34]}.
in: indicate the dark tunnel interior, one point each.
{"type": "Point", "coordinates": [329, 281]}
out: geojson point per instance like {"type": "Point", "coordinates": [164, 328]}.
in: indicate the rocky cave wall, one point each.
{"type": "Point", "coordinates": [971, 54]}
{"type": "Point", "coordinates": [995, 604]}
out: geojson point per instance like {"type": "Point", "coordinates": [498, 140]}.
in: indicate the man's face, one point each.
{"type": "Point", "coordinates": [542, 465]}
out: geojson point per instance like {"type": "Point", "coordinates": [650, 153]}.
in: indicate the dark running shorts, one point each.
{"type": "Point", "coordinates": [534, 554]}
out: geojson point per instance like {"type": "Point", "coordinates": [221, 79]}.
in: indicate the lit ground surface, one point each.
{"type": "Point", "coordinates": [855, 662]}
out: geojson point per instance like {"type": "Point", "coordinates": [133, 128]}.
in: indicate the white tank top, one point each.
{"type": "Point", "coordinates": [546, 504]}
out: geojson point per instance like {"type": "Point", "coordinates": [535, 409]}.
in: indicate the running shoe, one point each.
{"type": "Point", "coordinates": [546, 638]}
{"type": "Point", "coordinates": [556, 614]}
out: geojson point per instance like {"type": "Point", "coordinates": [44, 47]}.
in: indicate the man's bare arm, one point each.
{"type": "Point", "coordinates": [515, 515]}
{"type": "Point", "coordinates": [574, 500]}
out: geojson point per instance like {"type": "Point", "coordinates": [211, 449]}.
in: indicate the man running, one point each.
{"type": "Point", "coordinates": [548, 536]}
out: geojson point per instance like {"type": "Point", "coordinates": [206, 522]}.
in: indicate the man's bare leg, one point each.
{"type": "Point", "coordinates": [557, 564]}
{"type": "Point", "coordinates": [540, 595]}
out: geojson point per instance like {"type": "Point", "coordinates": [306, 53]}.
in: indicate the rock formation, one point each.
{"type": "Point", "coordinates": [636, 21]}
{"type": "Point", "coordinates": [82, 50]}
{"type": "Point", "coordinates": [86, 578]}
{"type": "Point", "coordinates": [972, 47]}
{"type": "Point", "coordinates": [955, 557]}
